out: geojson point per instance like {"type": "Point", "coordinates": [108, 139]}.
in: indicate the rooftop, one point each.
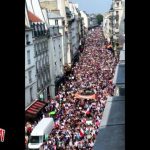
{"type": "Point", "coordinates": [53, 15]}
{"type": "Point", "coordinates": [122, 55]}
{"type": "Point", "coordinates": [112, 130]}
{"type": "Point", "coordinates": [119, 77]}
{"type": "Point", "coordinates": [33, 18]}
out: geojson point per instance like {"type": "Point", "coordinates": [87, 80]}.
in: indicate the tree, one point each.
{"type": "Point", "coordinates": [99, 18]}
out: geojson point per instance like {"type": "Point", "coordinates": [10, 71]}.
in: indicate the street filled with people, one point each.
{"type": "Point", "coordinates": [77, 116]}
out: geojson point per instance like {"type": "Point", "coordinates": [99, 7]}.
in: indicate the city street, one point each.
{"type": "Point", "coordinates": [80, 102]}
{"type": "Point", "coordinates": [74, 75]}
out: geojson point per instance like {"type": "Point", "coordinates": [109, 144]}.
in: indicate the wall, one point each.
{"type": "Point", "coordinates": [52, 67]}
{"type": "Point", "coordinates": [27, 94]}
{"type": "Point", "coordinates": [34, 7]}
{"type": "Point", "coordinates": [85, 19]}
{"type": "Point", "coordinates": [30, 67]}
{"type": "Point", "coordinates": [107, 26]}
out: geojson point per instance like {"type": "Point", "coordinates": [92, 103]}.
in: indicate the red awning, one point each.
{"type": "Point", "coordinates": [38, 105]}
{"type": "Point", "coordinates": [35, 107]}
{"type": "Point", "coordinates": [32, 112]}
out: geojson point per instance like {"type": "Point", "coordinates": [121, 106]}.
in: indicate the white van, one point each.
{"type": "Point", "coordinates": [43, 128]}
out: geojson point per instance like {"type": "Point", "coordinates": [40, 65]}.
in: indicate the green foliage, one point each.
{"type": "Point", "coordinates": [99, 18]}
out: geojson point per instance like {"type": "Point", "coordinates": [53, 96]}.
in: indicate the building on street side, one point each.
{"type": "Point", "coordinates": [30, 68]}
{"type": "Point", "coordinates": [41, 55]}
{"type": "Point", "coordinates": [85, 17]}
{"type": "Point", "coordinates": [107, 26]}
{"type": "Point", "coordinates": [55, 51]}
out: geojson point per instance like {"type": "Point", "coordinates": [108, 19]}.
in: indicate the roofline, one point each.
{"type": "Point", "coordinates": [56, 18]}
{"type": "Point", "coordinates": [28, 29]}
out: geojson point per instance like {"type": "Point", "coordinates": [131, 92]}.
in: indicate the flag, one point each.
{"type": "Point", "coordinates": [81, 132]}
{"type": "Point", "coordinates": [87, 111]}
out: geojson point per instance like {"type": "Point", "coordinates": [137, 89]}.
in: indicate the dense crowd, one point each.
{"type": "Point", "coordinates": [77, 121]}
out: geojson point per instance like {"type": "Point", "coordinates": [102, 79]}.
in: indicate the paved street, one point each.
{"type": "Point", "coordinates": [79, 117]}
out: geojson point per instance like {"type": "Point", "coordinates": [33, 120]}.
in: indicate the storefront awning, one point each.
{"type": "Point", "coordinates": [34, 108]}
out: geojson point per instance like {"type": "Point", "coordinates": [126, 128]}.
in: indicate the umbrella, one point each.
{"type": "Point", "coordinates": [52, 113]}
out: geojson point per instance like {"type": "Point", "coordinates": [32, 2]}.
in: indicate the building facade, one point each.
{"type": "Point", "coordinates": [118, 13]}
{"type": "Point", "coordinates": [107, 26]}
{"type": "Point", "coordinates": [55, 47]}
{"type": "Point", "coordinates": [74, 29]}
{"type": "Point", "coordinates": [30, 68]}
{"type": "Point", "coordinates": [92, 20]}
{"type": "Point", "coordinates": [85, 17]}
{"type": "Point", "coordinates": [41, 56]}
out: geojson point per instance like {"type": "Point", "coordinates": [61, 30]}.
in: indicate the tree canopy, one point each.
{"type": "Point", "coordinates": [99, 18]}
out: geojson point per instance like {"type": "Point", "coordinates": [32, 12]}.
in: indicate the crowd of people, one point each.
{"type": "Point", "coordinates": [77, 120]}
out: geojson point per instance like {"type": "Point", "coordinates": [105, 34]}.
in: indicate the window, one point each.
{"type": "Point", "coordinates": [30, 76]}
{"type": "Point", "coordinates": [60, 60]}
{"type": "Point", "coordinates": [46, 43]}
{"type": "Point", "coordinates": [43, 45]}
{"type": "Point", "coordinates": [28, 57]}
{"type": "Point", "coordinates": [35, 50]}
{"type": "Point", "coordinates": [34, 139]}
{"type": "Point", "coordinates": [56, 22]}
{"type": "Point", "coordinates": [38, 48]}
{"type": "Point", "coordinates": [43, 62]}
{"type": "Point", "coordinates": [39, 65]}
{"type": "Point", "coordinates": [63, 22]}
{"type": "Point", "coordinates": [47, 59]}
{"type": "Point", "coordinates": [31, 94]}
{"type": "Point", "coordinates": [117, 4]}
{"type": "Point", "coordinates": [27, 39]}
{"type": "Point", "coordinates": [117, 26]}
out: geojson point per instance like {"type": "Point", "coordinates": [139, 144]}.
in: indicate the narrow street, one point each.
{"type": "Point", "coordinates": [81, 100]}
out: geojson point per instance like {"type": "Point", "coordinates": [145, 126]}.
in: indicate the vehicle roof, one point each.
{"type": "Point", "coordinates": [41, 126]}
